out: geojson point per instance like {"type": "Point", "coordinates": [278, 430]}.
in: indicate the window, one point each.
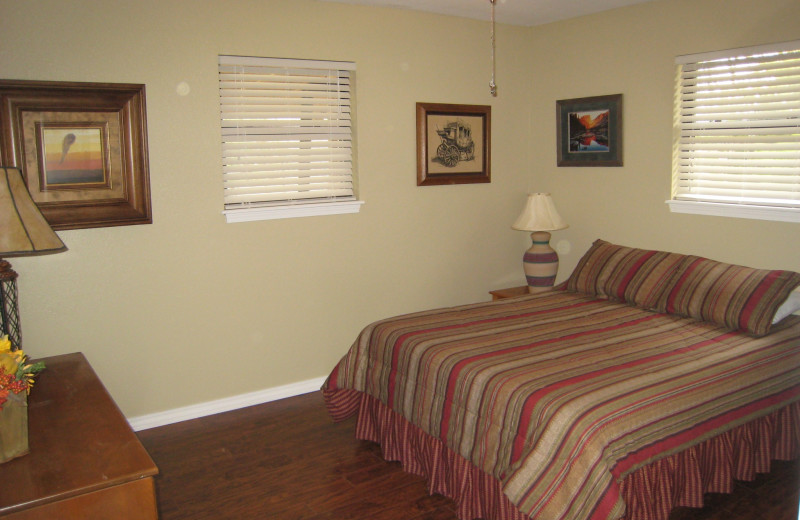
{"type": "Point", "coordinates": [287, 137]}
{"type": "Point", "coordinates": [737, 133]}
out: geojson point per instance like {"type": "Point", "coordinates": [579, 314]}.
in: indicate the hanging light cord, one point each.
{"type": "Point", "coordinates": [492, 85]}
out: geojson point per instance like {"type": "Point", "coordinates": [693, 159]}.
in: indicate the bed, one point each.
{"type": "Point", "coordinates": [645, 380]}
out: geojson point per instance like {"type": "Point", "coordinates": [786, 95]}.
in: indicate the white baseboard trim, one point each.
{"type": "Point", "coordinates": [144, 422]}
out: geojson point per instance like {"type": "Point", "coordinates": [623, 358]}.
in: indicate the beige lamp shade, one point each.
{"type": "Point", "coordinates": [540, 262]}
{"type": "Point", "coordinates": [23, 229]}
{"type": "Point", "coordinates": [540, 214]}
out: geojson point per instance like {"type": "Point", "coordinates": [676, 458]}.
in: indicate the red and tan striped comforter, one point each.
{"type": "Point", "coordinates": [559, 396]}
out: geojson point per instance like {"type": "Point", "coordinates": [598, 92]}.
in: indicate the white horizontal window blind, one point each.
{"type": "Point", "coordinates": [287, 135]}
{"type": "Point", "coordinates": [737, 135]}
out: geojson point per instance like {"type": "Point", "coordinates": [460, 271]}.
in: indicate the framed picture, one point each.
{"type": "Point", "coordinates": [82, 149]}
{"type": "Point", "coordinates": [590, 131]}
{"type": "Point", "coordinates": [453, 144]}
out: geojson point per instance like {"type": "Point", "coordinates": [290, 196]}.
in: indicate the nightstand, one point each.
{"type": "Point", "coordinates": [510, 292]}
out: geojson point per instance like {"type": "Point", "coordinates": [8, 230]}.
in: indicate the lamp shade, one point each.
{"type": "Point", "coordinates": [540, 214]}
{"type": "Point", "coordinates": [23, 228]}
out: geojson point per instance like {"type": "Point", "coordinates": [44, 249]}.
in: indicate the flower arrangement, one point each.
{"type": "Point", "coordinates": [15, 374]}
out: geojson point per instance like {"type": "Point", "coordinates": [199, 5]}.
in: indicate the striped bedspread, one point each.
{"type": "Point", "coordinates": [559, 396]}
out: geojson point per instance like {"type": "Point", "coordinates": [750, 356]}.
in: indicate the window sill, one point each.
{"type": "Point", "coordinates": [294, 211]}
{"type": "Point", "coordinates": [735, 210]}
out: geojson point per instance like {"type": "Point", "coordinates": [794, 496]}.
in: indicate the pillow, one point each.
{"type": "Point", "coordinates": [635, 276]}
{"type": "Point", "coordinates": [790, 306]}
{"type": "Point", "coordinates": [736, 297]}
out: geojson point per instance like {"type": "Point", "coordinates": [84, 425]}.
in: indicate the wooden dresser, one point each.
{"type": "Point", "coordinates": [85, 462]}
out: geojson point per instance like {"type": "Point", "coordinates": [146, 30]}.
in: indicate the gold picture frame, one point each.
{"type": "Point", "coordinates": [82, 149]}
{"type": "Point", "coordinates": [453, 144]}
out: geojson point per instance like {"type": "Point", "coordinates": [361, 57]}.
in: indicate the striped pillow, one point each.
{"type": "Point", "coordinates": [635, 276]}
{"type": "Point", "coordinates": [736, 297]}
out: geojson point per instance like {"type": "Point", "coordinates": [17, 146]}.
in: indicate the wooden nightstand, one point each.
{"type": "Point", "coordinates": [510, 292]}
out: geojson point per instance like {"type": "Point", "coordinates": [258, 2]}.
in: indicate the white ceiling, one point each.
{"type": "Point", "coordinates": [515, 12]}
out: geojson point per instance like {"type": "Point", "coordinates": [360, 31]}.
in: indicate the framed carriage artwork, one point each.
{"type": "Point", "coordinates": [453, 144]}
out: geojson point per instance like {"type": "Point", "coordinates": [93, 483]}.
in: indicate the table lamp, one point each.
{"type": "Point", "coordinates": [23, 231]}
{"type": "Point", "coordinates": [540, 262]}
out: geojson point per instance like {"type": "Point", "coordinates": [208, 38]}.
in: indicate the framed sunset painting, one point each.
{"type": "Point", "coordinates": [82, 149]}
{"type": "Point", "coordinates": [589, 131]}
{"type": "Point", "coordinates": [73, 156]}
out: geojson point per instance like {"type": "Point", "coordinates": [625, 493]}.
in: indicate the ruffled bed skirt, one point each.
{"type": "Point", "coordinates": [650, 492]}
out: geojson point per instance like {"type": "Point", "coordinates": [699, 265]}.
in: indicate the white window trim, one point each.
{"type": "Point", "coordinates": [728, 209]}
{"type": "Point", "coordinates": [298, 210]}
{"type": "Point", "coordinates": [735, 210]}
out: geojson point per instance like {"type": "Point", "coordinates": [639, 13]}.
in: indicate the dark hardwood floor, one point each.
{"type": "Point", "coordinates": [287, 460]}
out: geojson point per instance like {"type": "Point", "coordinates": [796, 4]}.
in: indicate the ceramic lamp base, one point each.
{"type": "Point", "coordinates": [540, 263]}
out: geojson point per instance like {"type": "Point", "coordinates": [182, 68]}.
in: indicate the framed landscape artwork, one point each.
{"type": "Point", "coordinates": [453, 144]}
{"type": "Point", "coordinates": [589, 131]}
{"type": "Point", "coordinates": [82, 149]}
{"type": "Point", "coordinates": [73, 155]}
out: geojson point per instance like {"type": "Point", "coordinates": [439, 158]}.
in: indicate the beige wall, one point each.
{"type": "Point", "coordinates": [631, 51]}
{"type": "Point", "coordinates": [191, 309]}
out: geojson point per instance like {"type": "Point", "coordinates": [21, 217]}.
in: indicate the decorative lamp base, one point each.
{"type": "Point", "coordinates": [540, 263]}
{"type": "Point", "coordinates": [14, 427]}
{"type": "Point", "coordinates": [9, 314]}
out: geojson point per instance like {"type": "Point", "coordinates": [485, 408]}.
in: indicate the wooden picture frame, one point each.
{"type": "Point", "coordinates": [82, 149]}
{"type": "Point", "coordinates": [589, 131]}
{"type": "Point", "coordinates": [454, 144]}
